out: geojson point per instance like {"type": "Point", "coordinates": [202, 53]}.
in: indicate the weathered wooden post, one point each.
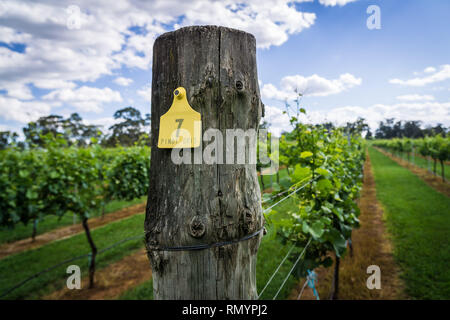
{"type": "Point", "coordinates": [217, 205]}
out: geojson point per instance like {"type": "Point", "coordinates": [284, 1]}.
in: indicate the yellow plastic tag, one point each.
{"type": "Point", "coordinates": [181, 126]}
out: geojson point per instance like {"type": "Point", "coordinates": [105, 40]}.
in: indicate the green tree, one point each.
{"type": "Point", "coordinates": [79, 133]}
{"type": "Point", "coordinates": [34, 131]}
{"type": "Point", "coordinates": [130, 130]}
{"type": "Point", "coordinates": [7, 139]}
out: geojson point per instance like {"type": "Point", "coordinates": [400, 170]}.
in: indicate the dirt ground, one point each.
{"type": "Point", "coordinates": [371, 246]}
{"type": "Point", "coordinates": [111, 281]}
{"type": "Point", "coordinates": [65, 232]}
{"type": "Point", "coordinates": [433, 181]}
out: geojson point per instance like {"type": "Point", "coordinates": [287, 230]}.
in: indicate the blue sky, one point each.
{"type": "Point", "coordinates": [56, 59]}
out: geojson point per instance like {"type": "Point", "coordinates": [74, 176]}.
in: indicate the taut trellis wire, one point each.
{"type": "Point", "coordinates": [292, 247]}
{"type": "Point", "coordinates": [87, 255]}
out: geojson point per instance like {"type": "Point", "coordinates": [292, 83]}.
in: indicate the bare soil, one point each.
{"type": "Point", "coordinates": [371, 246]}
{"type": "Point", "coordinates": [111, 281]}
{"type": "Point", "coordinates": [65, 232]}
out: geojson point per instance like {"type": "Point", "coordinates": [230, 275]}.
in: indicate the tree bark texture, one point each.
{"type": "Point", "coordinates": [191, 204]}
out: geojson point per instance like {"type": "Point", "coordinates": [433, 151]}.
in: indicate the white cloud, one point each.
{"type": "Point", "coordinates": [9, 35]}
{"type": "Point", "coordinates": [427, 112]}
{"type": "Point", "coordinates": [6, 128]}
{"type": "Point", "coordinates": [146, 93]}
{"type": "Point", "coordinates": [18, 90]}
{"type": "Point", "coordinates": [53, 84]}
{"type": "Point", "coordinates": [271, 21]}
{"type": "Point", "coordinates": [56, 55]}
{"type": "Point", "coordinates": [429, 70]}
{"type": "Point", "coordinates": [415, 97]}
{"type": "Point", "coordinates": [435, 76]}
{"type": "Point", "coordinates": [333, 3]}
{"type": "Point", "coordinates": [269, 91]}
{"type": "Point", "coordinates": [309, 86]}
{"type": "Point", "coordinates": [22, 111]}
{"type": "Point", "coordinates": [123, 81]}
{"type": "Point", "coordinates": [105, 123]}
{"type": "Point", "coordinates": [112, 36]}
{"type": "Point", "coordinates": [84, 98]}
{"type": "Point", "coordinates": [278, 121]}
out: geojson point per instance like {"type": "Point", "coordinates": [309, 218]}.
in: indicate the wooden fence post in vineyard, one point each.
{"type": "Point", "coordinates": [197, 204]}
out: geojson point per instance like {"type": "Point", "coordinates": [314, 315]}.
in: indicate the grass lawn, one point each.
{"type": "Point", "coordinates": [269, 179]}
{"type": "Point", "coordinates": [15, 268]}
{"type": "Point", "coordinates": [418, 218]}
{"type": "Point", "coordinates": [270, 254]}
{"type": "Point", "coordinates": [22, 231]}
{"type": "Point", "coordinates": [144, 291]}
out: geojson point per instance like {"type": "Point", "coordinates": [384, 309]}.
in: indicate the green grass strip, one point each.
{"type": "Point", "coordinates": [49, 223]}
{"type": "Point", "coordinates": [270, 179]}
{"type": "Point", "coordinates": [14, 269]}
{"type": "Point", "coordinates": [270, 254]}
{"type": "Point", "coordinates": [144, 291]}
{"type": "Point", "coordinates": [418, 217]}
{"type": "Point", "coordinates": [423, 163]}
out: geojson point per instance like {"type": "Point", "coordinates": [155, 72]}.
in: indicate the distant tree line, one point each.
{"type": "Point", "coordinates": [131, 128]}
{"type": "Point", "coordinates": [389, 129]}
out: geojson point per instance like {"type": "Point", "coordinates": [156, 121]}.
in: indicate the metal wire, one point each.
{"type": "Point", "coordinates": [23, 282]}
{"type": "Point", "coordinates": [179, 248]}
{"type": "Point", "coordinates": [289, 195]}
{"type": "Point", "coordinates": [303, 288]}
{"type": "Point", "coordinates": [223, 243]}
{"type": "Point", "coordinates": [274, 196]}
{"type": "Point", "coordinates": [292, 269]}
{"type": "Point", "coordinates": [275, 272]}
{"type": "Point", "coordinates": [204, 246]}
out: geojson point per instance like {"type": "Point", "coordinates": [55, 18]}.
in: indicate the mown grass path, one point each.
{"type": "Point", "coordinates": [270, 254]}
{"type": "Point", "coordinates": [418, 217]}
{"type": "Point", "coordinates": [50, 222]}
{"type": "Point", "coordinates": [15, 268]}
{"type": "Point", "coordinates": [118, 264]}
{"type": "Point", "coordinates": [371, 246]}
{"type": "Point", "coordinates": [68, 231]}
{"type": "Point", "coordinates": [111, 281]}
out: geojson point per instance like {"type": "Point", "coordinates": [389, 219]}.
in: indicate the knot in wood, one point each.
{"type": "Point", "coordinates": [239, 85]}
{"type": "Point", "coordinates": [209, 82]}
{"type": "Point", "coordinates": [197, 227]}
{"type": "Point", "coordinates": [249, 221]}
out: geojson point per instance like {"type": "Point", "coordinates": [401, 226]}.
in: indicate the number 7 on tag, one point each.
{"type": "Point", "coordinates": [180, 126]}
